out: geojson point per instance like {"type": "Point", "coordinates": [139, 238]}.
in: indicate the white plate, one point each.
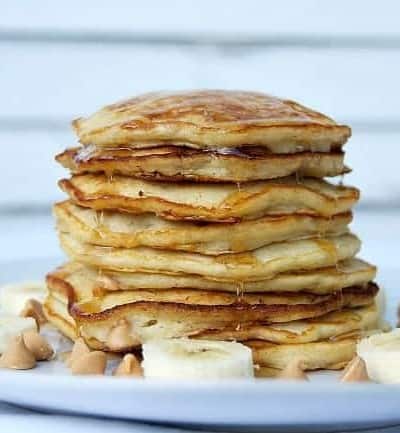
{"type": "Point", "coordinates": [259, 404]}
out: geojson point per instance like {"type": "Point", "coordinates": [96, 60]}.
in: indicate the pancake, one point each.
{"type": "Point", "coordinates": [329, 354]}
{"type": "Point", "coordinates": [96, 325]}
{"type": "Point", "coordinates": [212, 119]}
{"type": "Point", "coordinates": [178, 313]}
{"type": "Point", "coordinates": [118, 229]}
{"type": "Point", "coordinates": [302, 331]}
{"type": "Point", "coordinates": [100, 301]}
{"type": "Point", "coordinates": [210, 202]}
{"type": "Point", "coordinates": [174, 163]}
{"type": "Point", "coordinates": [260, 264]}
{"type": "Point", "coordinates": [270, 357]}
{"type": "Point", "coordinates": [96, 282]}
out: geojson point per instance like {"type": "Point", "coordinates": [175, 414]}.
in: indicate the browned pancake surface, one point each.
{"type": "Point", "coordinates": [212, 118]}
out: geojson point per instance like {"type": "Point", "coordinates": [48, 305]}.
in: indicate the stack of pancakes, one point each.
{"type": "Point", "coordinates": [205, 214]}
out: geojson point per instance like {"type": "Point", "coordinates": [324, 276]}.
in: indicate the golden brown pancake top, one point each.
{"type": "Point", "coordinates": [212, 118]}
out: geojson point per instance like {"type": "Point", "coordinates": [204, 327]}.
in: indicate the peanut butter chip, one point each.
{"type": "Point", "coordinates": [33, 308]}
{"type": "Point", "coordinates": [90, 363]}
{"type": "Point", "coordinates": [121, 338]}
{"type": "Point", "coordinates": [38, 345]}
{"type": "Point", "coordinates": [355, 371]}
{"type": "Point", "coordinates": [129, 366]}
{"type": "Point", "coordinates": [293, 371]}
{"type": "Point", "coordinates": [17, 355]}
{"type": "Point", "coordinates": [80, 349]}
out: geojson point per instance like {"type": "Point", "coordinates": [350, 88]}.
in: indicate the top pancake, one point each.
{"type": "Point", "coordinates": [212, 119]}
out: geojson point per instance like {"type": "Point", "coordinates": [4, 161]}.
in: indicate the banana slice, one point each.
{"type": "Point", "coordinates": [14, 296]}
{"type": "Point", "coordinates": [194, 359]}
{"type": "Point", "coordinates": [11, 326]}
{"type": "Point", "coordinates": [381, 353]}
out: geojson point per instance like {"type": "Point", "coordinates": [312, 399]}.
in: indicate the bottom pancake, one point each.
{"type": "Point", "coordinates": [328, 326]}
{"type": "Point", "coordinates": [326, 343]}
{"type": "Point", "coordinates": [204, 314]}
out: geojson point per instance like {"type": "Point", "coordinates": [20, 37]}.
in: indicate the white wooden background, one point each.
{"type": "Point", "coordinates": [60, 60]}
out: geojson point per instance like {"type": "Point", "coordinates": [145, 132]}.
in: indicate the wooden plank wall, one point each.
{"type": "Point", "coordinates": [60, 60]}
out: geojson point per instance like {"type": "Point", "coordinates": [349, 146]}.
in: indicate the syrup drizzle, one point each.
{"type": "Point", "coordinates": [330, 249]}
{"type": "Point", "coordinates": [240, 291]}
{"type": "Point", "coordinates": [99, 222]}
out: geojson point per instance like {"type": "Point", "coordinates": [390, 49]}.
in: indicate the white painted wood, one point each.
{"type": "Point", "coordinates": [56, 81]}
{"type": "Point", "coordinates": [46, 84]}
{"type": "Point", "coordinates": [232, 18]}
{"type": "Point", "coordinates": [28, 171]}
{"type": "Point", "coordinates": [375, 161]}
{"type": "Point", "coordinates": [349, 85]}
{"type": "Point", "coordinates": [32, 236]}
